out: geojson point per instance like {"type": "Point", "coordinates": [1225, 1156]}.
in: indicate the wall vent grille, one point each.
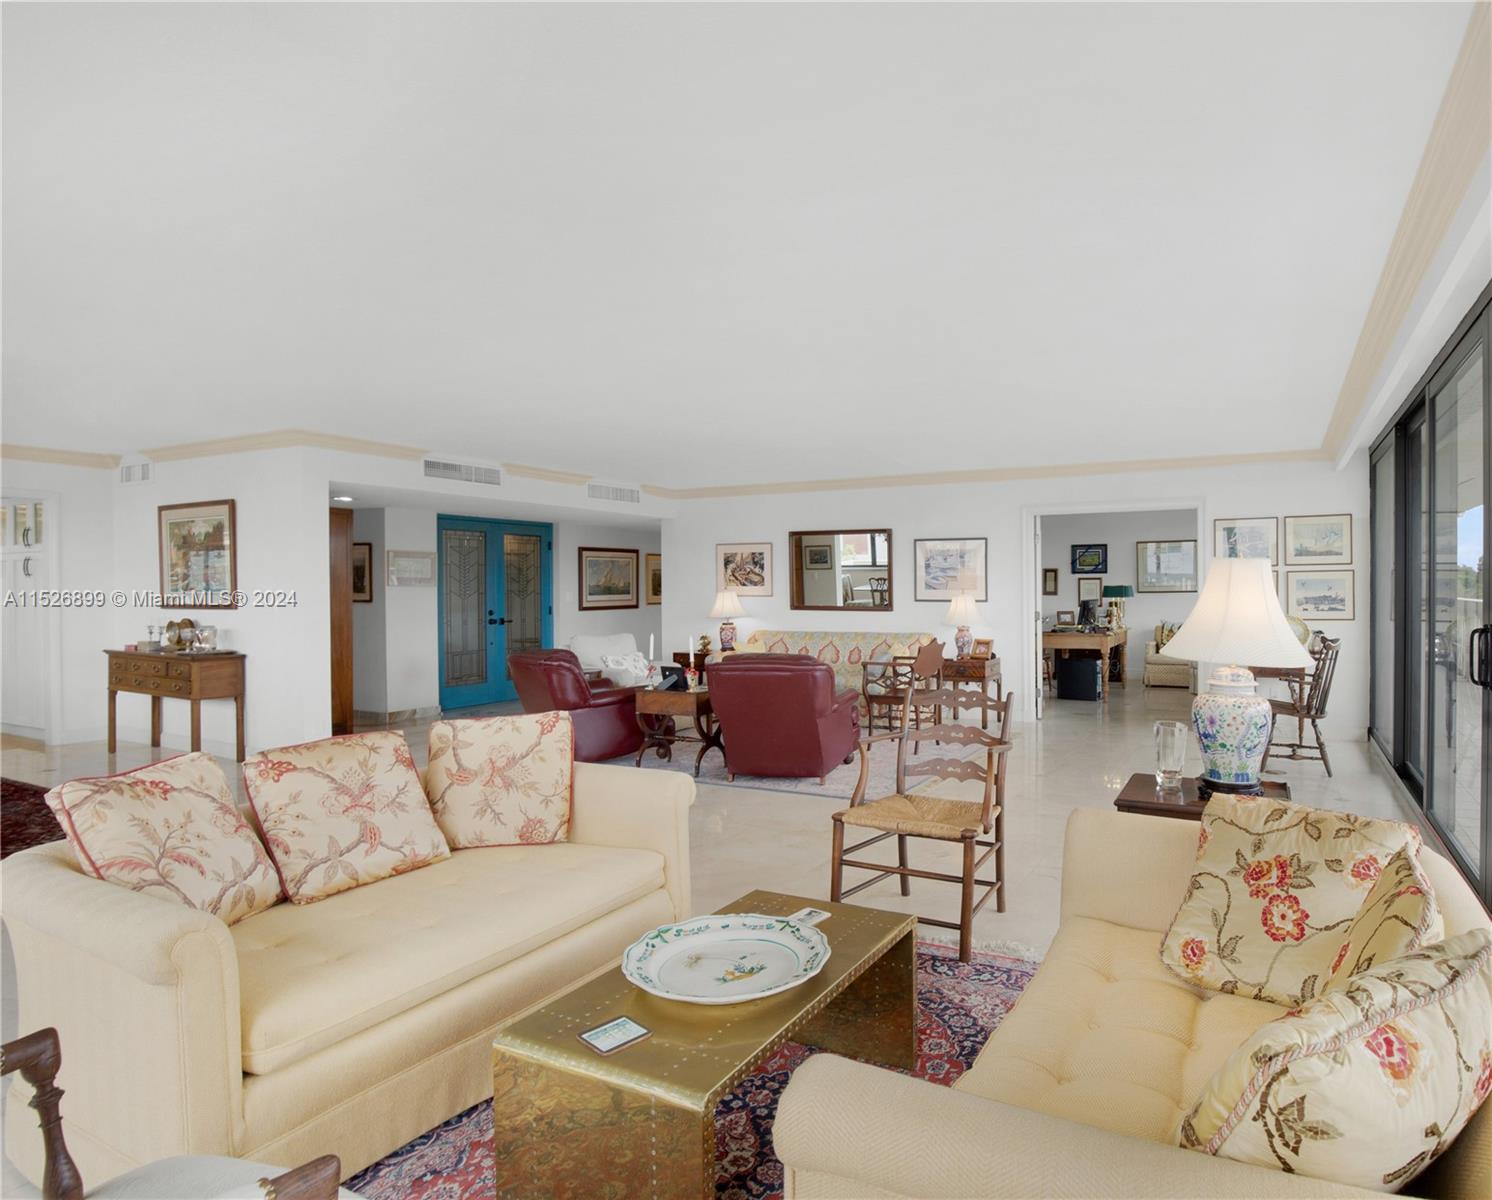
{"type": "Point", "coordinates": [442, 468]}
{"type": "Point", "coordinates": [619, 493]}
{"type": "Point", "coordinates": [135, 472]}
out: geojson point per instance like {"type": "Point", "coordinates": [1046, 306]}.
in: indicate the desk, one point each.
{"type": "Point", "coordinates": [208, 675]}
{"type": "Point", "coordinates": [1109, 643]}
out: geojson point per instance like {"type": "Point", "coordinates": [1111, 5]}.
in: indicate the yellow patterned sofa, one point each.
{"type": "Point", "coordinates": [844, 650]}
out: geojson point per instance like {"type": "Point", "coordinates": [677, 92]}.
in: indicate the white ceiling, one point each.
{"type": "Point", "coordinates": [705, 244]}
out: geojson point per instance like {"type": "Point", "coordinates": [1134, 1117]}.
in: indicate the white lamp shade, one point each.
{"type": "Point", "coordinates": [960, 610]}
{"type": "Point", "coordinates": [728, 605]}
{"type": "Point", "coordinates": [1238, 620]}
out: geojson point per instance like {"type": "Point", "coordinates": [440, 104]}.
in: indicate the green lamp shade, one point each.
{"type": "Point", "coordinates": [1117, 591]}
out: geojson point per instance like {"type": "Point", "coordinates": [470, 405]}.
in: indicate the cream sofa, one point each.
{"type": "Point", "coordinates": [1161, 670]}
{"type": "Point", "coordinates": [846, 651]}
{"type": "Point", "coordinates": [1079, 1090]}
{"type": "Point", "coordinates": [344, 1027]}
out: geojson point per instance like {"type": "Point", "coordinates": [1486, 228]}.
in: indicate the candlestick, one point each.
{"type": "Point", "coordinates": [650, 647]}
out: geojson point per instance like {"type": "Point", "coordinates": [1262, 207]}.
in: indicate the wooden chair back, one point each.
{"type": "Point", "coordinates": [880, 588]}
{"type": "Point", "coordinates": [990, 770]}
{"type": "Point", "coordinates": [1318, 690]}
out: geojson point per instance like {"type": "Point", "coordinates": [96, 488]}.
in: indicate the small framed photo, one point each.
{"type": "Point", "coordinates": [745, 566]}
{"type": "Point", "coordinates": [362, 572]}
{"type": "Point", "coordinates": [1318, 541]}
{"type": "Point", "coordinates": [946, 566]}
{"type": "Point", "coordinates": [817, 557]}
{"type": "Point", "coordinates": [653, 575]}
{"type": "Point", "coordinates": [1246, 537]}
{"type": "Point", "coordinates": [1320, 595]}
{"type": "Point", "coordinates": [1166, 566]}
{"type": "Point", "coordinates": [1090, 587]}
{"type": "Point", "coordinates": [1048, 581]}
{"type": "Point", "coordinates": [1065, 616]}
{"type": "Point", "coordinates": [608, 578]}
{"type": "Point", "coordinates": [1090, 560]}
{"type": "Point", "coordinates": [983, 648]}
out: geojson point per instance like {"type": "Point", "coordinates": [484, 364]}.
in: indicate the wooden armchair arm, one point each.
{"type": "Point", "coordinates": [38, 1057]}
{"type": "Point", "coordinates": [315, 1180]}
{"type": "Point", "coordinates": [866, 741]}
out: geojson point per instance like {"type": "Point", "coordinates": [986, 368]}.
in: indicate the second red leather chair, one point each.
{"type": "Point", "coordinates": [605, 718]}
{"type": "Point", "coordinates": [780, 716]}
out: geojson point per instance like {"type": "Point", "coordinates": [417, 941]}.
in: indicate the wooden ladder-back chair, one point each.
{"type": "Point", "coordinates": [892, 685]}
{"type": "Point", "coordinates": [919, 814]}
{"type": "Point", "coordinates": [1307, 703]}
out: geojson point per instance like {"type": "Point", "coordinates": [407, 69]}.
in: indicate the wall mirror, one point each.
{"type": "Point", "coordinates": [841, 568]}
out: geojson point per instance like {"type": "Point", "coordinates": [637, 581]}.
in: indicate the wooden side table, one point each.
{"type": "Point", "coordinates": [979, 671]}
{"type": "Point", "coordinates": [697, 660]}
{"type": "Point", "coordinates": [164, 674]}
{"type": "Point", "coordinates": [657, 717]}
{"type": "Point", "coordinates": [1140, 795]}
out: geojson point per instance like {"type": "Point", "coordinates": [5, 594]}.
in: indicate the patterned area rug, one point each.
{"type": "Point", "coordinates": [25, 819]}
{"type": "Point", "coordinates": [960, 1004]}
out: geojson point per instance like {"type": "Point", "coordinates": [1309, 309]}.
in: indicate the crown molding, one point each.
{"type": "Point", "coordinates": [1459, 140]}
{"type": "Point", "coordinates": [282, 439]}
{"type": "Point", "coordinates": [66, 458]}
{"type": "Point", "coordinates": [991, 475]}
{"type": "Point", "coordinates": [546, 473]}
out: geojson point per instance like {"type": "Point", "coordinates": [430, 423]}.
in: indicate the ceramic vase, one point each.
{"type": "Point", "coordinates": [727, 635]}
{"type": "Point", "coordinates": [963, 641]}
{"type": "Point", "coordinates": [1232, 725]}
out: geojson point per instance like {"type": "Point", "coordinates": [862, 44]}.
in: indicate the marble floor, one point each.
{"type": "Point", "coordinates": [1077, 756]}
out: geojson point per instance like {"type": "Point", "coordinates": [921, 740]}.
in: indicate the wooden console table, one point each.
{"type": "Point", "coordinates": [657, 716]}
{"type": "Point", "coordinates": [979, 671]}
{"type": "Point", "coordinates": [198, 676]}
{"type": "Point", "coordinates": [1109, 643]}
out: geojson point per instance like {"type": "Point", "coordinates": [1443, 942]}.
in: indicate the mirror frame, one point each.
{"type": "Point", "coordinates": [795, 571]}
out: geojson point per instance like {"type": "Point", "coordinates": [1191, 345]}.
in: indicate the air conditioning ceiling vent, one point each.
{"type": "Point", "coordinates": [619, 493]}
{"type": "Point", "coordinates": [442, 468]}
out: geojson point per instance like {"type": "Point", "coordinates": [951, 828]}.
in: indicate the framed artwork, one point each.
{"type": "Point", "coordinates": [983, 648]}
{"type": "Point", "coordinates": [745, 566]}
{"type": "Point", "coordinates": [1318, 541]}
{"type": "Point", "coordinates": [1166, 566]}
{"type": "Point", "coordinates": [1090, 560]}
{"type": "Point", "coordinates": [409, 568]}
{"type": "Point", "coordinates": [1246, 537]}
{"type": "Point", "coordinates": [1090, 587]}
{"type": "Point", "coordinates": [949, 565]}
{"type": "Point", "coordinates": [198, 555]}
{"type": "Point", "coordinates": [362, 572]}
{"type": "Point", "coordinates": [653, 576]}
{"type": "Point", "coordinates": [1320, 595]}
{"type": "Point", "coordinates": [608, 578]}
{"type": "Point", "coordinates": [1048, 581]}
{"type": "Point", "coordinates": [1065, 616]}
{"type": "Point", "coordinates": [818, 558]}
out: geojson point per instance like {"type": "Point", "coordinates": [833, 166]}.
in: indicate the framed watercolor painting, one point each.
{"type": "Point", "coordinates": [1318, 541]}
{"type": "Point", "coordinates": [608, 578]}
{"type": "Point", "coordinates": [949, 565]}
{"type": "Point", "coordinates": [1320, 595]}
{"type": "Point", "coordinates": [1166, 566]}
{"type": "Point", "coordinates": [1090, 587]}
{"type": "Point", "coordinates": [1246, 537]}
{"type": "Point", "coordinates": [198, 555]}
{"type": "Point", "coordinates": [362, 572]}
{"type": "Point", "coordinates": [745, 566]}
{"type": "Point", "coordinates": [818, 557]}
{"type": "Point", "coordinates": [1090, 560]}
{"type": "Point", "coordinates": [653, 574]}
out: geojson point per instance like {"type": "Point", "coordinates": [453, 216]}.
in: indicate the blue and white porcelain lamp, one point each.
{"type": "Point", "coordinates": [1237, 624]}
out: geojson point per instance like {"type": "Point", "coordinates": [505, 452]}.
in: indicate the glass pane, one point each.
{"type": "Point", "coordinates": [523, 566]}
{"type": "Point", "coordinates": [465, 613]}
{"type": "Point", "coordinates": [1384, 603]}
{"type": "Point", "coordinates": [1456, 797]}
{"type": "Point", "coordinates": [1416, 601]}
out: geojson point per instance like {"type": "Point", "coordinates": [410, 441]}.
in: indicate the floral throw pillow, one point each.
{"type": "Point", "coordinates": [1275, 888]}
{"type": "Point", "coordinates": [342, 812]}
{"type": "Point", "coordinates": [1367, 1085]}
{"type": "Point", "coordinates": [502, 781]}
{"type": "Point", "coordinates": [171, 830]}
{"type": "Point", "coordinates": [1398, 916]}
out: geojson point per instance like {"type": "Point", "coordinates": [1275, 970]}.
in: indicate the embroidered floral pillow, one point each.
{"type": "Point", "coordinates": [1367, 1085]}
{"type": "Point", "coordinates": [172, 830]}
{"type": "Point", "coordinates": [1398, 916]}
{"type": "Point", "coordinates": [342, 812]}
{"type": "Point", "coordinates": [502, 781]}
{"type": "Point", "coordinates": [1275, 888]}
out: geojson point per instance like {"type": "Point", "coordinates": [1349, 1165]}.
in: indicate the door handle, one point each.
{"type": "Point", "coordinates": [26, 566]}
{"type": "Point", "coordinates": [1472, 645]}
{"type": "Point", "coordinates": [497, 620]}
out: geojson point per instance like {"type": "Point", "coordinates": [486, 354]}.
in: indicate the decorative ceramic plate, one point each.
{"type": "Point", "coordinates": [725, 958]}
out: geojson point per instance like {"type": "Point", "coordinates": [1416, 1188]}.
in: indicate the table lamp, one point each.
{"type": "Point", "coordinates": [1237, 620]}
{"type": "Point", "coordinates": [960, 613]}
{"type": "Point", "coordinates": [727, 606]}
{"type": "Point", "coordinates": [1116, 594]}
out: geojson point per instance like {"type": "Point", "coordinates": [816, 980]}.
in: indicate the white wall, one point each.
{"type": "Point", "coordinates": [641, 621]}
{"type": "Point", "coordinates": [1119, 531]}
{"type": "Point", "coordinates": [1005, 513]}
{"type": "Point", "coordinates": [370, 664]}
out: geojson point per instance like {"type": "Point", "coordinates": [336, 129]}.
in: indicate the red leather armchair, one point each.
{"type": "Point", "coordinates": [780, 716]}
{"type": "Point", "coordinates": [605, 718]}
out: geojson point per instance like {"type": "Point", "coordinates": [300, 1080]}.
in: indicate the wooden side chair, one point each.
{"type": "Point", "coordinates": [1307, 702]}
{"type": "Point", "coordinates": [892, 685]}
{"type": "Point", "coordinates": [38, 1057]}
{"type": "Point", "coordinates": [909, 814]}
{"type": "Point", "coordinates": [880, 590]}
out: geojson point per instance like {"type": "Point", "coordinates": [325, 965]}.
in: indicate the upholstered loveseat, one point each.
{"type": "Point", "coordinates": [1161, 670]}
{"type": "Point", "coordinates": [348, 1026]}
{"type": "Point", "coordinates": [845, 651]}
{"type": "Point", "coordinates": [1080, 1089]}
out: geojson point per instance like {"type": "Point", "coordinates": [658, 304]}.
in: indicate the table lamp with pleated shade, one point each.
{"type": "Point", "coordinates": [728, 606]}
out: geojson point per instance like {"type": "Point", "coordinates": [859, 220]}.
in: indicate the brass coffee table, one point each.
{"type": "Point", "coordinates": [641, 1122]}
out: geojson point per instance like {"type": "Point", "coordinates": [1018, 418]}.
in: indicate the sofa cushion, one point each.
{"type": "Point", "coordinates": [169, 829]}
{"type": "Point", "coordinates": [502, 781]}
{"type": "Point", "coordinates": [1105, 1035]}
{"type": "Point", "coordinates": [342, 812]}
{"type": "Point", "coordinates": [1274, 889]}
{"type": "Point", "coordinates": [1399, 915]}
{"type": "Point", "coordinates": [1367, 1085]}
{"type": "Point", "coordinates": [311, 976]}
